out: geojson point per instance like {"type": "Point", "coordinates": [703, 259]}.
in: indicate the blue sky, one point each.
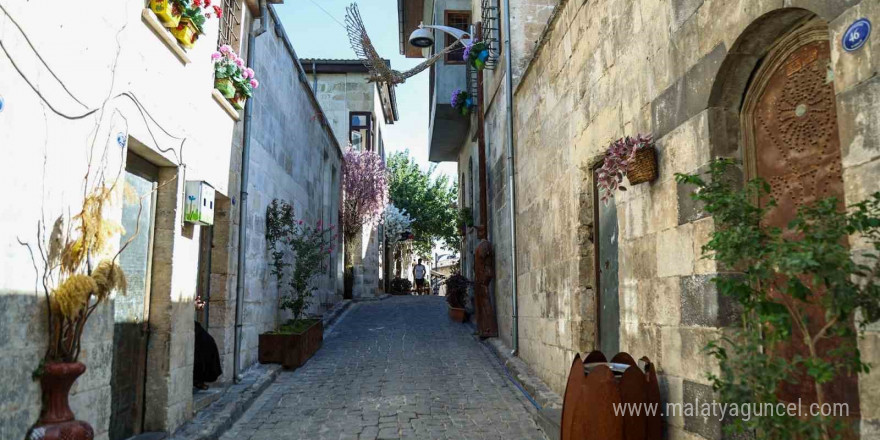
{"type": "Point", "coordinates": [315, 34]}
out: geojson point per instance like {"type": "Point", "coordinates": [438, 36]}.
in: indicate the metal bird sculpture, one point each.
{"type": "Point", "coordinates": [380, 71]}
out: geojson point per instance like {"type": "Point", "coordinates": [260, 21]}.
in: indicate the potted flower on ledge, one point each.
{"type": "Point", "coordinates": [300, 337]}
{"type": "Point", "coordinates": [169, 11]}
{"type": "Point", "coordinates": [462, 101]}
{"type": "Point", "coordinates": [192, 22]}
{"type": "Point", "coordinates": [244, 87]}
{"type": "Point", "coordinates": [633, 157]}
{"type": "Point", "coordinates": [231, 78]}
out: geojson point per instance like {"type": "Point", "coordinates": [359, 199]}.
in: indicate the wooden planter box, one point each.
{"type": "Point", "coordinates": [457, 315]}
{"type": "Point", "coordinates": [293, 350]}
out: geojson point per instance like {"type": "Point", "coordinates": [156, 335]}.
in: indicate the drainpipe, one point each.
{"type": "Point", "coordinates": [511, 185]}
{"type": "Point", "coordinates": [243, 197]}
{"type": "Point", "coordinates": [315, 74]}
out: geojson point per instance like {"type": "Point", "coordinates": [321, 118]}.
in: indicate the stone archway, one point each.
{"type": "Point", "coordinates": [773, 106]}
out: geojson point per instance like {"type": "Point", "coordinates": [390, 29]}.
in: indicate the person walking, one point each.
{"type": "Point", "coordinates": [419, 272]}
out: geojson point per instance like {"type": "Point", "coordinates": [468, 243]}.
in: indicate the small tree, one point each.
{"type": "Point", "coordinates": [310, 244]}
{"type": "Point", "coordinates": [429, 199]}
{"type": "Point", "coordinates": [365, 194]}
{"type": "Point", "coordinates": [785, 274]}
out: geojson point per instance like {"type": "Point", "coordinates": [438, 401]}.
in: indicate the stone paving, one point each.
{"type": "Point", "coordinates": [393, 369]}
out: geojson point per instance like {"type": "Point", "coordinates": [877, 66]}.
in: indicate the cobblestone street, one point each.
{"type": "Point", "coordinates": [397, 368]}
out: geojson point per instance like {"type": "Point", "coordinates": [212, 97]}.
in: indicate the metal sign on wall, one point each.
{"type": "Point", "coordinates": [856, 35]}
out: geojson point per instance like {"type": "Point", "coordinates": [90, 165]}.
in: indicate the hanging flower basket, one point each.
{"type": "Point", "coordinates": [186, 33]}
{"type": "Point", "coordinates": [643, 167]}
{"type": "Point", "coordinates": [633, 157]}
{"type": "Point", "coordinates": [476, 54]}
{"type": "Point", "coordinates": [462, 101]}
{"type": "Point", "coordinates": [168, 11]}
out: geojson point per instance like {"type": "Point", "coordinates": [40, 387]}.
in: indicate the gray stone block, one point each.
{"type": "Point", "coordinates": [703, 305]}
{"type": "Point", "coordinates": [688, 96]}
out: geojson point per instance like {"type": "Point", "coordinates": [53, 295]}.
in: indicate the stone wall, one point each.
{"type": "Point", "coordinates": [100, 53]}
{"type": "Point", "coordinates": [340, 94]}
{"type": "Point", "coordinates": [610, 68]}
{"type": "Point", "coordinates": [293, 157]}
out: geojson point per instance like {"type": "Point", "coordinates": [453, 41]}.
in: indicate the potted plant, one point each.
{"type": "Point", "coordinates": [456, 297]}
{"type": "Point", "coordinates": [401, 286]}
{"type": "Point", "coordinates": [634, 158]}
{"type": "Point", "coordinates": [476, 54]}
{"type": "Point", "coordinates": [244, 87]}
{"type": "Point", "coordinates": [462, 101]}
{"type": "Point", "coordinates": [192, 22]}
{"type": "Point", "coordinates": [465, 220]}
{"type": "Point", "coordinates": [298, 338]}
{"type": "Point", "coordinates": [227, 65]}
{"type": "Point", "coordinates": [169, 11]}
{"type": "Point", "coordinates": [76, 280]}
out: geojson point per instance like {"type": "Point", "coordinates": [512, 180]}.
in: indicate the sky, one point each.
{"type": "Point", "coordinates": [317, 33]}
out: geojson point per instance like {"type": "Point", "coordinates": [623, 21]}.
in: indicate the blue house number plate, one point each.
{"type": "Point", "coordinates": [856, 35]}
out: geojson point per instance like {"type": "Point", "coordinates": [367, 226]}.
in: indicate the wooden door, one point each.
{"type": "Point", "coordinates": [606, 242]}
{"type": "Point", "coordinates": [792, 142]}
{"type": "Point", "coordinates": [131, 311]}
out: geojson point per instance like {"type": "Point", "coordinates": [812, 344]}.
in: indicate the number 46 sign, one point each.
{"type": "Point", "coordinates": [856, 35]}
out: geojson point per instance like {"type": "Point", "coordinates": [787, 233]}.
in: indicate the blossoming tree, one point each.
{"type": "Point", "coordinates": [397, 222]}
{"type": "Point", "coordinates": [365, 194]}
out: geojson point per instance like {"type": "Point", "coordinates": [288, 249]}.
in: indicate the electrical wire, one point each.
{"type": "Point", "coordinates": [34, 49]}
{"type": "Point", "coordinates": [328, 13]}
{"type": "Point", "coordinates": [37, 91]}
{"type": "Point", "coordinates": [145, 114]}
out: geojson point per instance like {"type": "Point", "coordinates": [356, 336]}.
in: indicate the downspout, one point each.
{"type": "Point", "coordinates": [511, 181]}
{"type": "Point", "coordinates": [243, 197]}
{"type": "Point", "coordinates": [315, 75]}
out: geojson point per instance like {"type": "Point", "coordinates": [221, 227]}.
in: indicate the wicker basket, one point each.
{"type": "Point", "coordinates": [644, 167]}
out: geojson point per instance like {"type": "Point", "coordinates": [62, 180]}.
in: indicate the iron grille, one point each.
{"type": "Point", "coordinates": [491, 30]}
{"type": "Point", "coordinates": [230, 25]}
{"type": "Point", "coordinates": [472, 81]}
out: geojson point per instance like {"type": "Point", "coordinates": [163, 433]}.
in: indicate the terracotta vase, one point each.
{"type": "Point", "coordinates": [56, 419]}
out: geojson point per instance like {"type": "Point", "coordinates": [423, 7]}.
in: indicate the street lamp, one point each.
{"type": "Point", "coordinates": [423, 37]}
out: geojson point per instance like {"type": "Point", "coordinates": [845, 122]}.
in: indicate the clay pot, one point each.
{"type": "Point", "coordinates": [56, 419]}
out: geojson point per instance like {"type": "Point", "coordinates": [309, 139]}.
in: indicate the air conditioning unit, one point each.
{"type": "Point", "coordinates": [199, 204]}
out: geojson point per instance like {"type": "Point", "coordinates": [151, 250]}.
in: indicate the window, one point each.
{"type": "Point", "coordinates": [459, 20]}
{"type": "Point", "coordinates": [360, 131]}
{"type": "Point", "coordinates": [230, 25]}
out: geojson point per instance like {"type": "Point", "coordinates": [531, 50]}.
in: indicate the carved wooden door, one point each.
{"type": "Point", "coordinates": [792, 142]}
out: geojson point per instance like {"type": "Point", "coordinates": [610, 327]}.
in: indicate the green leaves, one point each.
{"type": "Point", "coordinates": [429, 199]}
{"type": "Point", "coordinates": [785, 276]}
{"type": "Point", "coordinates": [308, 245]}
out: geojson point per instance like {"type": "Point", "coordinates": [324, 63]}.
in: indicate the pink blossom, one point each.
{"type": "Point", "coordinates": [255, 83]}
{"type": "Point", "coordinates": [216, 56]}
{"type": "Point", "coordinates": [239, 62]}
{"type": "Point", "coordinates": [248, 73]}
{"type": "Point", "coordinates": [226, 49]}
{"type": "Point", "coordinates": [365, 189]}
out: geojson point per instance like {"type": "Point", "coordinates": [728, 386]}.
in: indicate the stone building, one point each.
{"type": "Point", "coordinates": [111, 83]}
{"type": "Point", "coordinates": [697, 75]}
{"type": "Point", "coordinates": [357, 111]}
{"type": "Point", "coordinates": [295, 157]}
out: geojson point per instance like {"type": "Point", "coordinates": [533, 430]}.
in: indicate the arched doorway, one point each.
{"type": "Point", "coordinates": [790, 139]}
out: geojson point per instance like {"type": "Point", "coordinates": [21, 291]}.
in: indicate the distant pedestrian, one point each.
{"type": "Point", "coordinates": [419, 272]}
